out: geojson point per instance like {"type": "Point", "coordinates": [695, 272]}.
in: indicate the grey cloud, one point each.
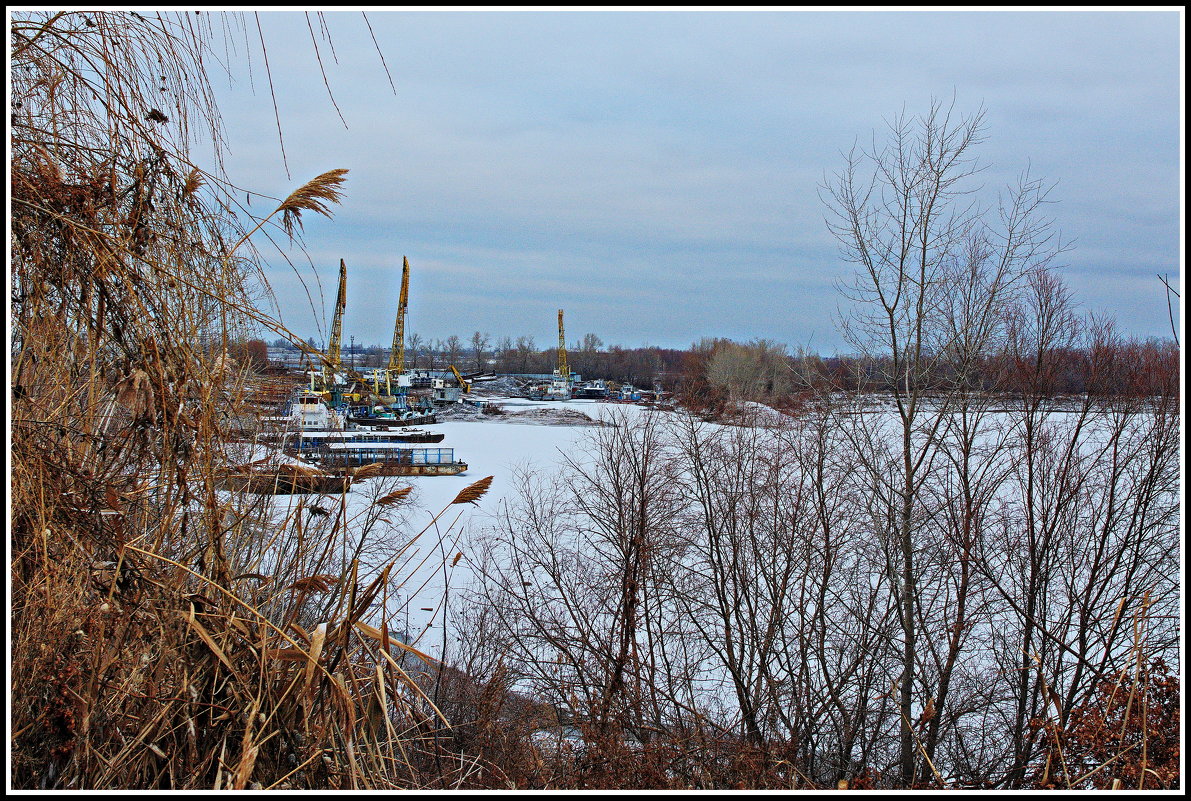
{"type": "Point", "coordinates": [620, 162]}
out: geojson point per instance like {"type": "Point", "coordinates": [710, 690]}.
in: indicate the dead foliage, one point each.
{"type": "Point", "coordinates": [167, 634]}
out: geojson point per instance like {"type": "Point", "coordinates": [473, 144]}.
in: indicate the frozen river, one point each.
{"type": "Point", "coordinates": [494, 446]}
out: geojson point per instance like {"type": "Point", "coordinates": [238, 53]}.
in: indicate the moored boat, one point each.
{"type": "Point", "coordinates": [297, 443]}
{"type": "Point", "coordinates": [285, 479]}
{"type": "Point", "coordinates": [392, 420]}
{"type": "Point", "coordinates": [305, 411]}
{"type": "Point", "coordinates": [340, 458]}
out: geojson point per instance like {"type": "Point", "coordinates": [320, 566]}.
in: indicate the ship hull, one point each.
{"type": "Point", "coordinates": [391, 422]}
{"type": "Point", "coordinates": [396, 468]}
{"type": "Point", "coordinates": [281, 484]}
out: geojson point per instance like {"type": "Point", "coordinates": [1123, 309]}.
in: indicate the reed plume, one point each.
{"type": "Point", "coordinates": [314, 195]}
{"type": "Point", "coordinates": [194, 182]}
{"type": "Point", "coordinates": [395, 496]}
{"type": "Point", "coordinates": [474, 492]}
{"type": "Point", "coordinates": [371, 470]}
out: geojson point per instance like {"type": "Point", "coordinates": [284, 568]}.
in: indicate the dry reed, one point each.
{"type": "Point", "coordinates": [167, 634]}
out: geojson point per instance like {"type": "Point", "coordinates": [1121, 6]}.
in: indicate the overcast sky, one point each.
{"type": "Point", "coordinates": [656, 174]}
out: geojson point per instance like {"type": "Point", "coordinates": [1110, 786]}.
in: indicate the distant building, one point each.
{"type": "Point", "coordinates": [288, 357]}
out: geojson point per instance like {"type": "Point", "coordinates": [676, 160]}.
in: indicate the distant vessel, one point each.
{"type": "Point", "coordinates": [627, 392]}
{"type": "Point", "coordinates": [558, 388]}
{"type": "Point", "coordinates": [592, 390]}
{"type": "Point", "coordinates": [285, 479]}
{"type": "Point", "coordinates": [374, 418]}
{"type": "Point", "coordinates": [393, 459]}
{"type": "Point", "coordinates": [299, 443]}
{"type": "Point", "coordinates": [305, 411]}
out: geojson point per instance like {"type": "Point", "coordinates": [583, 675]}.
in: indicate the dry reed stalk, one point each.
{"type": "Point", "coordinates": [473, 492]}
{"type": "Point", "coordinates": [395, 496]}
{"type": "Point", "coordinates": [185, 662]}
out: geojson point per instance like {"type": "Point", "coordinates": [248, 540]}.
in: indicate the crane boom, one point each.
{"type": "Point", "coordinates": [462, 382]}
{"type": "Point", "coordinates": [337, 323]}
{"type": "Point", "coordinates": [397, 353]}
{"type": "Point", "coordinates": [562, 350]}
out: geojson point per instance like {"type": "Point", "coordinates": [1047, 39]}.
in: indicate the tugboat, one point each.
{"type": "Point", "coordinates": [305, 411]}
{"type": "Point", "coordinates": [627, 392]}
{"type": "Point", "coordinates": [592, 390]}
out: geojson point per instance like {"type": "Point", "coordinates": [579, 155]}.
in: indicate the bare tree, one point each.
{"type": "Point", "coordinates": [1086, 536]}
{"type": "Point", "coordinates": [413, 349]}
{"type": "Point", "coordinates": [573, 575]}
{"type": "Point", "coordinates": [479, 344]}
{"type": "Point", "coordinates": [452, 349]}
{"type": "Point", "coordinates": [526, 351]}
{"type": "Point", "coordinates": [434, 352]}
{"type": "Point", "coordinates": [504, 354]}
{"type": "Point", "coordinates": [934, 271]}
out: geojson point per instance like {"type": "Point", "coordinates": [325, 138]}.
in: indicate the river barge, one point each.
{"type": "Point", "coordinates": [286, 479]}
{"type": "Point", "coordinates": [301, 443]}
{"type": "Point", "coordinates": [385, 421]}
{"type": "Point", "coordinates": [393, 459]}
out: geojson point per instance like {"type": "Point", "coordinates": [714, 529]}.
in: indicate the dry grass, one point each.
{"type": "Point", "coordinates": [166, 634]}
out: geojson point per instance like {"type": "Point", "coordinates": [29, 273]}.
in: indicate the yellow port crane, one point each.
{"type": "Point", "coordinates": [337, 324]}
{"type": "Point", "coordinates": [563, 371]}
{"type": "Point", "coordinates": [462, 382]}
{"type": "Point", "coordinates": [397, 352]}
{"type": "Point", "coordinates": [328, 361]}
{"type": "Point", "coordinates": [559, 387]}
{"type": "Point", "coordinates": [331, 360]}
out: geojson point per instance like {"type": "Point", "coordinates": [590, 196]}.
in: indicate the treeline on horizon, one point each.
{"type": "Point", "coordinates": [717, 371]}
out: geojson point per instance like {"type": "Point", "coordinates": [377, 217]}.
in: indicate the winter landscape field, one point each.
{"type": "Point", "coordinates": [820, 426]}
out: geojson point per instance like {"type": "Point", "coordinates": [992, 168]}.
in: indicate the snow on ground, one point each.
{"type": "Point", "coordinates": [533, 434]}
{"type": "Point", "coordinates": [495, 445]}
{"type": "Point", "coordinates": [530, 434]}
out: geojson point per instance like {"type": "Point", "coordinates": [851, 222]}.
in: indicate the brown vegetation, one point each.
{"type": "Point", "coordinates": [166, 634]}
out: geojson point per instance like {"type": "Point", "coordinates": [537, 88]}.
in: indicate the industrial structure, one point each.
{"type": "Point", "coordinates": [395, 372]}
{"type": "Point", "coordinates": [560, 386]}
{"type": "Point", "coordinates": [337, 327]}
